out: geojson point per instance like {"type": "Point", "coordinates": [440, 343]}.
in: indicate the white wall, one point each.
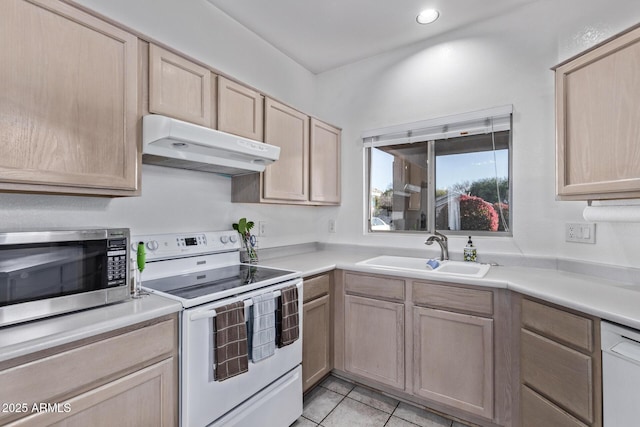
{"type": "Point", "coordinates": [506, 60]}
{"type": "Point", "coordinates": [172, 199]}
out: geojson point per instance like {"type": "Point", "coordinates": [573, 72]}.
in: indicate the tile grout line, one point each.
{"type": "Point", "coordinates": [344, 396]}
{"type": "Point", "coordinates": [391, 414]}
{"type": "Point", "coordinates": [371, 406]}
{"type": "Point", "coordinates": [309, 419]}
{"type": "Point", "coordinates": [331, 411]}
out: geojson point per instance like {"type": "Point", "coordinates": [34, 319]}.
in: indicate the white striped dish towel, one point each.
{"type": "Point", "coordinates": [264, 327]}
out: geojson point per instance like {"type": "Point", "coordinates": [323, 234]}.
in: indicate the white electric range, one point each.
{"type": "Point", "coordinates": [203, 272]}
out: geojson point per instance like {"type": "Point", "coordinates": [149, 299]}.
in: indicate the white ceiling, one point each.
{"type": "Point", "coordinates": [324, 34]}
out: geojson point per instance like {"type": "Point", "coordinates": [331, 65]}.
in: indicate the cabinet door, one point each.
{"type": "Point", "coordinates": [69, 109]}
{"type": "Point", "coordinates": [240, 110]}
{"type": "Point", "coordinates": [453, 359]}
{"type": "Point", "coordinates": [598, 131]}
{"type": "Point", "coordinates": [179, 88]}
{"type": "Point", "coordinates": [144, 398]}
{"type": "Point", "coordinates": [374, 340]}
{"type": "Point", "coordinates": [288, 178]}
{"type": "Point", "coordinates": [325, 163]}
{"type": "Point", "coordinates": [316, 341]}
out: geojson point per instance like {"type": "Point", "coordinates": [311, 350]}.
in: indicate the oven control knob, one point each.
{"type": "Point", "coordinates": [134, 247]}
{"type": "Point", "coordinates": [152, 245]}
{"type": "Point", "coordinates": [233, 238]}
{"type": "Point", "coordinates": [224, 239]}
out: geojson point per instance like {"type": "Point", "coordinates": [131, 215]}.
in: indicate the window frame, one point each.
{"type": "Point", "coordinates": [411, 133]}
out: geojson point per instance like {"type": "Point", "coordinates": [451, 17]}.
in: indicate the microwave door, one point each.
{"type": "Point", "coordinates": [43, 275]}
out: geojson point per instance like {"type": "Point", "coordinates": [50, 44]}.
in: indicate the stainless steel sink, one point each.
{"type": "Point", "coordinates": [446, 268]}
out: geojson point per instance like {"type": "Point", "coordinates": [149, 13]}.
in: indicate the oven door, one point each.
{"type": "Point", "coordinates": [205, 401]}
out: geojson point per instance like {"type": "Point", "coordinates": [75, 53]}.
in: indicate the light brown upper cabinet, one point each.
{"type": "Point", "coordinates": [69, 110]}
{"type": "Point", "coordinates": [597, 126]}
{"type": "Point", "coordinates": [325, 163]}
{"type": "Point", "coordinates": [308, 171]}
{"type": "Point", "coordinates": [288, 178]}
{"type": "Point", "coordinates": [179, 88]}
{"type": "Point", "coordinates": [240, 110]}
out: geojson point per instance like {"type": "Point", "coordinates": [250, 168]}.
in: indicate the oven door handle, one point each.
{"type": "Point", "coordinates": [208, 314]}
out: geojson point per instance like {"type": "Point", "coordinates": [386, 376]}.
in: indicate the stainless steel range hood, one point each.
{"type": "Point", "coordinates": [177, 144]}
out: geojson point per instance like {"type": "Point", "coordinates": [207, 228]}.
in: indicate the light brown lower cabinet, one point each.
{"type": "Point", "coordinates": [317, 337]}
{"type": "Point", "coordinates": [374, 340]}
{"type": "Point", "coordinates": [560, 366]}
{"type": "Point", "coordinates": [538, 411]}
{"type": "Point", "coordinates": [446, 346]}
{"type": "Point", "coordinates": [453, 359]}
{"type": "Point", "coordinates": [125, 377]}
{"type": "Point", "coordinates": [138, 399]}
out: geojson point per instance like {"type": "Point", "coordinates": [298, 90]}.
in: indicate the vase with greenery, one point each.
{"type": "Point", "coordinates": [243, 227]}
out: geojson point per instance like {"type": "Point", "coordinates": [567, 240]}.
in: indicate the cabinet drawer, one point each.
{"type": "Point", "coordinates": [316, 287]}
{"type": "Point", "coordinates": [538, 411]}
{"type": "Point", "coordinates": [65, 374]}
{"type": "Point", "coordinates": [374, 286]}
{"type": "Point", "coordinates": [453, 298]}
{"type": "Point", "coordinates": [147, 397]}
{"type": "Point", "coordinates": [571, 329]}
{"type": "Point", "coordinates": [563, 375]}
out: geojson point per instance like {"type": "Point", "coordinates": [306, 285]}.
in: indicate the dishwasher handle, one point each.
{"type": "Point", "coordinates": [628, 349]}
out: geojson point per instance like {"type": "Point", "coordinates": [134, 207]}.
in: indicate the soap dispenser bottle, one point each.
{"type": "Point", "coordinates": [470, 251]}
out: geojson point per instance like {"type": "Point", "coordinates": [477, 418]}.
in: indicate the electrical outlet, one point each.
{"type": "Point", "coordinates": [332, 226]}
{"type": "Point", "coordinates": [262, 228]}
{"type": "Point", "coordinates": [580, 232]}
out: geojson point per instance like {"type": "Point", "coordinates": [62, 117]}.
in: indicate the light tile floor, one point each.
{"type": "Point", "coordinates": [339, 403]}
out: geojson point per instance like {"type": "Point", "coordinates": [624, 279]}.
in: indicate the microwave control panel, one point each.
{"type": "Point", "coordinates": [116, 262]}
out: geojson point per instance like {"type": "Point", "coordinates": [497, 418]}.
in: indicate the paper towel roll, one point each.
{"type": "Point", "coordinates": [612, 213]}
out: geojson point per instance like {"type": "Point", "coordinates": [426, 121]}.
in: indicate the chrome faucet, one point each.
{"type": "Point", "coordinates": [442, 241]}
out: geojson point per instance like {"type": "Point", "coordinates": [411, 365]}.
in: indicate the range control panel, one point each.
{"type": "Point", "coordinates": [160, 246]}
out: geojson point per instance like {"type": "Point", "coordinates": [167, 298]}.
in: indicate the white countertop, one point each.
{"type": "Point", "coordinates": [609, 300]}
{"type": "Point", "coordinates": [39, 335]}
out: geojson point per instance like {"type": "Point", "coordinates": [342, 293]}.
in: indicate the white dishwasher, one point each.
{"type": "Point", "coordinates": [620, 375]}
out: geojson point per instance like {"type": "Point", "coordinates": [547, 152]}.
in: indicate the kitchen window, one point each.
{"type": "Point", "coordinates": [451, 174]}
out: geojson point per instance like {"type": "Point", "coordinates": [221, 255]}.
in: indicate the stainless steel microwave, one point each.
{"type": "Point", "coordinates": [46, 273]}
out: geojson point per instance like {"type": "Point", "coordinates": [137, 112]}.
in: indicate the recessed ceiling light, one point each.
{"type": "Point", "coordinates": [427, 16]}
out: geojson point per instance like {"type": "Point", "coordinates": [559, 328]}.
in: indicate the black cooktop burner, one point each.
{"type": "Point", "coordinates": [194, 285]}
